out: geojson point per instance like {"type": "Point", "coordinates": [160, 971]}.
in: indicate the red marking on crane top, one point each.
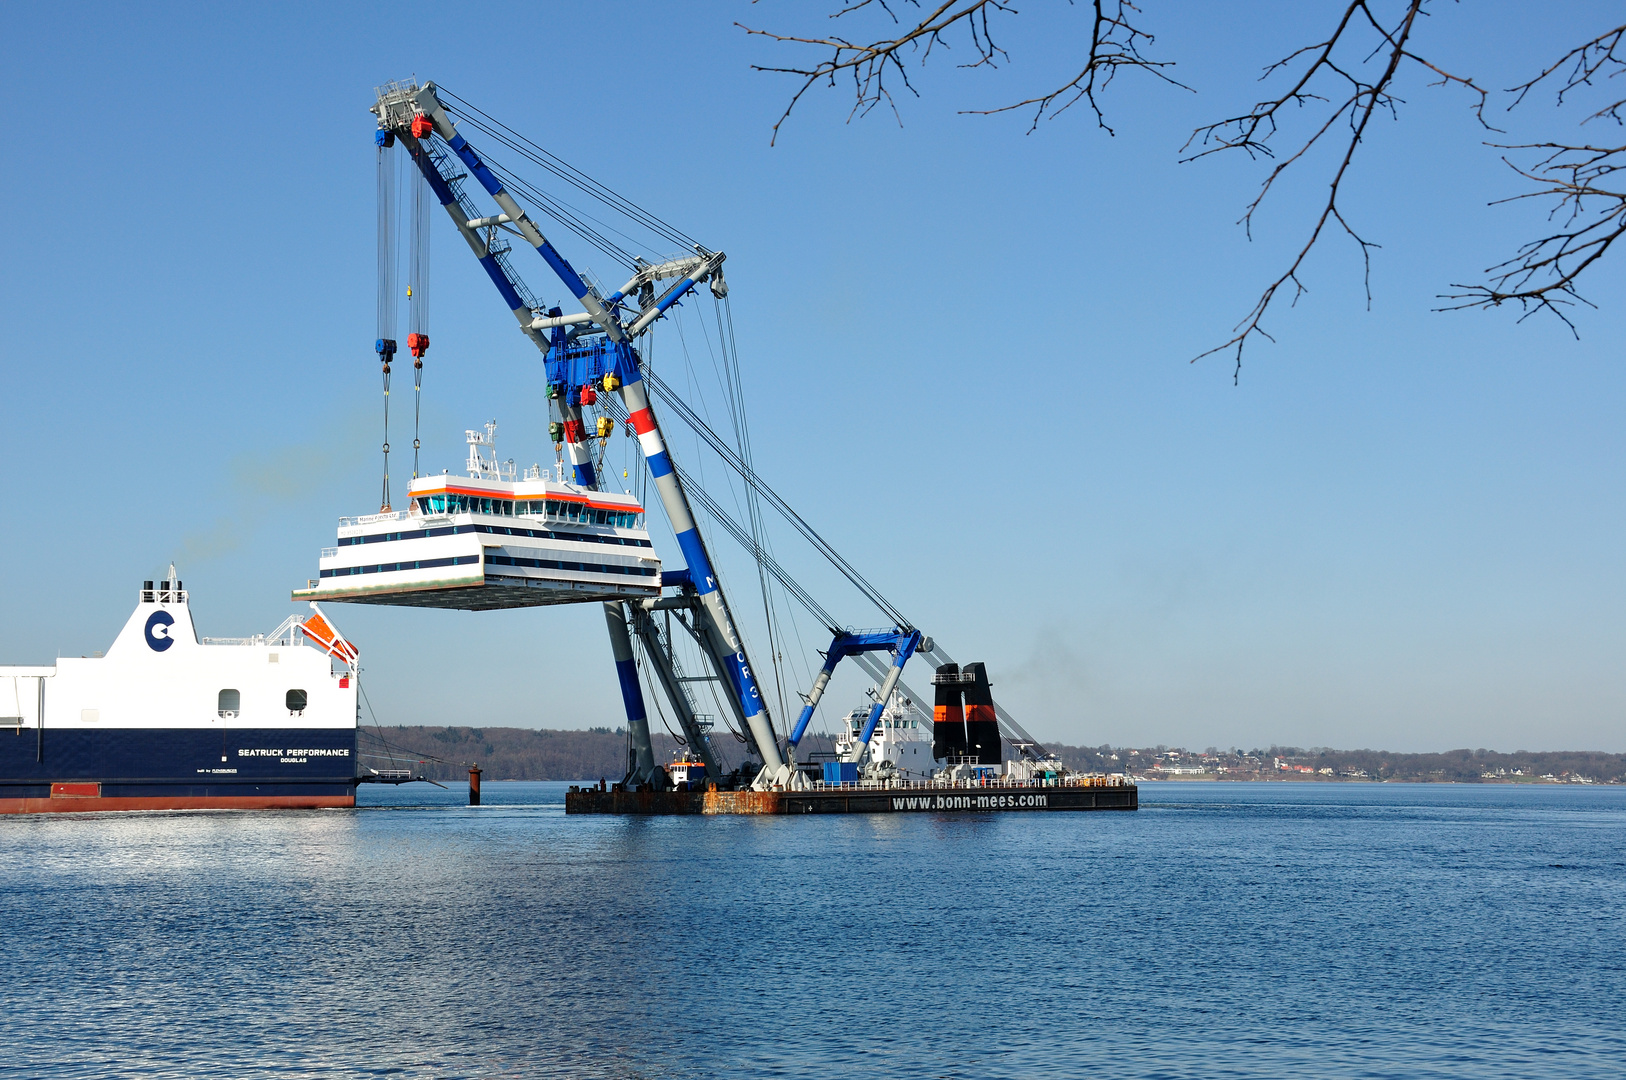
{"type": "Point", "coordinates": [421, 126]}
{"type": "Point", "coordinates": [643, 421]}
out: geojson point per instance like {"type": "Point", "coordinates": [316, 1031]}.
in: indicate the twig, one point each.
{"type": "Point", "coordinates": [1115, 43]}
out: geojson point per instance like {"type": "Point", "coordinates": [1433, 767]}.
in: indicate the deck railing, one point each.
{"type": "Point", "coordinates": [996, 782]}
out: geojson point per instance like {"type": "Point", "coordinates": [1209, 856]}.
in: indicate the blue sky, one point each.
{"type": "Point", "coordinates": [965, 350]}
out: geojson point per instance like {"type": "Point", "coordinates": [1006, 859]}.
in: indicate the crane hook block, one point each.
{"type": "Point", "coordinates": [553, 391]}
{"type": "Point", "coordinates": [556, 431]}
{"type": "Point", "coordinates": [605, 427]}
{"type": "Point", "coordinates": [385, 347]}
{"type": "Point", "coordinates": [612, 382]}
{"type": "Point", "coordinates": [418, 343]}
{"type": "Point", "coordinates": [422, 126]}
{"type": "Point", "coordinates": [384, 137]}
{"type": "Point", "coordinates": [589, 395]}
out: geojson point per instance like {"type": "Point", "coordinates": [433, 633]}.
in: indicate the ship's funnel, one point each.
{"type": "Point", "coordinates": [981, 725]}
{"type": "Point", "coordinates": [948, 718]}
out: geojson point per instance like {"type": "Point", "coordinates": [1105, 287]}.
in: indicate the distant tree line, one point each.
{"type": "Point", "coordinates": [1458, 766]}
{"type": "Point", "coordinates": [506, 753]}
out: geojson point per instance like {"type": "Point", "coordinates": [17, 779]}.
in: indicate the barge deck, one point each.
{"type": "Point", "coordinates": [1089, 794]}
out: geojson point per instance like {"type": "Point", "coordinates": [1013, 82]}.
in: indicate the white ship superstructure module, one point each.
{"type": "Point", "coordinates": [899, 748]}
{"type": "Point", "coordinates": [492, 540]}
{"type": "Point", "coordinates": [170, 721]}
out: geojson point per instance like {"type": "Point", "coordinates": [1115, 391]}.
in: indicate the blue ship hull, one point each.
{"type": "Point", "coordinates": [176, 769]}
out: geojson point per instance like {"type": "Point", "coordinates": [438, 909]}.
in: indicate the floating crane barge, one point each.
{"type": "Point", "coordinates": [496, 540]}
{"type": "Point", "coordinates": [1086, 793]}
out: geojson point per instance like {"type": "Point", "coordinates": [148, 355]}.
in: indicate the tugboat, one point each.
{"type": "Point", "coordinates": [688, 774]}
{"type": "Point", "coordinates": [167, 720]}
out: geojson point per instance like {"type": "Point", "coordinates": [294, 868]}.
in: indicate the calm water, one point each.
{"type": "Point", "coordinates": [1224, 930]}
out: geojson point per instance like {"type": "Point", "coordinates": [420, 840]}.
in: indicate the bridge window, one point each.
{"type": "Point", "coordinates": [464, 504]}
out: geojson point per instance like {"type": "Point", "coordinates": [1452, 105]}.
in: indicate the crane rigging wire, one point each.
{"type": "Point", "coordinates": [387, 269]}
{"type": "Point", "coordinates": [573, 219]}
{"type": "Point", "coordinates": [701, 428]}
{"type": "Point", "coordinates": [418, 295]}
{"type": "Point", "coordinates": [739, 458]}
{"type": "Point", "coordinates": [484, 122]}
{"type": "Point", "coordinates": [753, 503]}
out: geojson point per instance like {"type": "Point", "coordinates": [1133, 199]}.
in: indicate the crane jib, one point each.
{"type": "Point", "coordinates": [600, 354]}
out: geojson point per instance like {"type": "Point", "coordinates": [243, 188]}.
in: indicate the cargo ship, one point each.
{"type": "Point", "coordinates": [166, 720]}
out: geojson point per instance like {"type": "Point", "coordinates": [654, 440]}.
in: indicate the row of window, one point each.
{"type": "Point", "coordinates": [389, 567]}
{"type": "Point", "coordinates": [587, 568]}
{"type": "Point", "coordinates": [231, 702]}
{"type": "Point", "coordinates": [558, 509]}
{"type": "Point", "coordinates": [495, 530]}
{"type": "Point", "coordinates": [495, 560]}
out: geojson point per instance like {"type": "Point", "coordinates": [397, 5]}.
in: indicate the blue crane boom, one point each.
{"type": "Point", "coordinates": [414, 115]}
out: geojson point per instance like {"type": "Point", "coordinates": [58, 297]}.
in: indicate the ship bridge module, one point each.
{"type": "Point", "coordinates": [575, 531]}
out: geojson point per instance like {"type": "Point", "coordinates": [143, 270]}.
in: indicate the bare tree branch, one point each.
{"type": "Point", "coordinates": [1115, 43]}
{"type": "Point", "coordinates": [1588, 202]}
{"type": "Point", "coordinates": [1339, 83]}
{"type": "Point", "coordinates": [1336, 62]}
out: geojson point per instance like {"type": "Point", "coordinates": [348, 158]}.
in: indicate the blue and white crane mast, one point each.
{"type": "Point", "coordinates": [414, 115]}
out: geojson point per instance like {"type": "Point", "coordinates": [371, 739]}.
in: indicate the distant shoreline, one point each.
{"type": "Point", "coordinates": [1525, 781]}
{"type": "Point", "coordinates": [514, 753]}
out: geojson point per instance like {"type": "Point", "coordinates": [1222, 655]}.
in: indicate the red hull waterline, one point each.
{"type": "Point", "coordinates": [79, 804]}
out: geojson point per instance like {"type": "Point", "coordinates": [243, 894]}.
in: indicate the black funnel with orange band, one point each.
{"type": "Point", "coordinates": [981, 725]}
{"type": "Point", "coordinates": [948, 718]}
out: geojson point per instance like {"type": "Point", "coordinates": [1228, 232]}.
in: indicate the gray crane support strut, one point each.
{"type": "Point", "coordinates": [666, 674]}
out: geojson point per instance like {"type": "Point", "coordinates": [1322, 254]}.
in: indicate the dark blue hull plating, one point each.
{"type": "Point", "coordinates": [176, 768]}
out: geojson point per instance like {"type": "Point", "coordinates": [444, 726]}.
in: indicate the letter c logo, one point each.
{"type": "Point", "coordinates": [158, 624]}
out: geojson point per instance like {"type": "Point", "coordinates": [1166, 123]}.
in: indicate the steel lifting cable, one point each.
{"type": "Point", "coordinates": [569, 217]}
{"type": "Point", "coordinates": [488, 124]}
{"type": "Point", "coordinates": [753, 503]}
{"type": "Point", "coordinates": [656, 698]}
{"type": "Point", "coordinates": [418, 295]}
{"type": "Point", "coordinates": [384, 345]}
{"type": "Point", "coordinates": [739, 532]}
{"type": "Point", "coordinates": [764, 560]}
{"type": "Point", "coordinates": [688, 416]}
